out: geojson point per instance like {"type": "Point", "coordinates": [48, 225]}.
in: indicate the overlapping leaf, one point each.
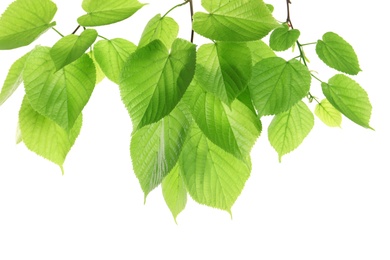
{"type": "Point", "coordinates": [328, 113]}
{"type": "Point", "coordinates": [283, 38]}
{"type": "Point", "coordinates": [259, 51]}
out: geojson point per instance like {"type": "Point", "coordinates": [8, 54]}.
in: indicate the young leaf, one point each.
{"type": "Point", "coordinates": [72, 47]}
{"type": "Point", "coordinates": [153, 80]}
{"type": "Point", "coordinates": [349, 98]}
{"type": "Point", "coordinates": [212, 176]}
{"type": "Point", "coordinates": [277, 85]}
{"type": "Point", "coordinates": [13, 79]}
{"type": "Point", "coordinates": [103, 12]}
{"type": "Point", "coordinates": [112, 56]}
{"type": "Point", "coordinates": [61, 95]}
{"type": "Point", "coordinates": [328, 113]}
{"type": "Point", "coordinates": [259, 51]}
{"type": "Point", "coordinates": [174, 191]}
{"type": "Point", "coordinates": [99, 73]}
{"type": "Point", "coordinates": [288, 129]}
{"type": "Point", "coordinates": [24, 21]}
{"type": "Point", "coordinates": [224, 68]}
{"type": "Point", "coordinates": [235, 20]}
{"type": "Point", "coordinates": [44, 137]}
{"type": "Point", "coordinates": [335, 52]}
{"type": "Point", "coordinates": [283, 38]}
{"type": "Point", "coordinates": [155, 148]}
{"type": "Point", "coordinates": [160, 28]}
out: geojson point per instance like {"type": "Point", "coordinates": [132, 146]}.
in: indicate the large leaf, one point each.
{"type": "Point", "coordinates": [14, 78]}
{"type": "Point", "coordinates": [283, 38]}
{"type": "Point", "coordinates": [328, 113]}
{"type": "Point", "coordinates": [160, 28]}
{"type": "Point", "coordinates": [44, 137]}
{"type": "Point", "coordinates": [212, 176]}
{"type": "Point", "coordinates": [112, 56]}
{"type": "Point", "coordinates": [155, 148]}
{"type": "Point", "coordinates": [60, 95]}
{"type": "Point", "coordinates": [154, 80]}
{"type": "Point", "coordinates": [288, 129]}
{"type": "Point", "coordinates": [24, 21]}
{"type": "Point", "coordinates": [337, 53]}
{"type": "Point", "coordinates": [102, 12]}
{"type": "Point", "coordinates": [277, 85]}
{"type": "Point", "coordinates": [259, 51]}
{"type": "Point", "coordinates": [72, 47]}
{"type": "Point", "coordinates": [224, 68]}
{"type": "Point", "coordinates": [235, 20]}
{"type": "Point", "coordinates": [347, 96]}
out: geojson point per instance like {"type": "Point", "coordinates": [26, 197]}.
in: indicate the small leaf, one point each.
{"type": "Point", "coordinates": [112, 56]}
{"type": "Point", "coordinates": [349, 98]}
{"type": "Point", "coordinates": [288, 129]}
{"type": "Point", "coordinates": [259, 51]}
{"type": "Point", "coordinates": [328, 113]}
{"type": "Point", "coordinates": [283, 38]}
{"type": "Point", "coordinates": [24, 21]}
{"type": "Point", "coordinates": [235, 20]}
{"type": "Point", "coordinates": [174, 191]}
{"type": "Point", "coordinates": [103, 12]}
{"type": "Point", "coordinates": [277, 85]}
{"type": "Point", "coordinates": [44, 137]}
{"type": "Point", "coordinates": [335, 52]}
{"type": "Point", "coordinates": [72, 47]}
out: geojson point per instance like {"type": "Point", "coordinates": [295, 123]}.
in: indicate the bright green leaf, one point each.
{"type": "Point", "coordinates": [347, 96]}
{"type": "Point", "coordinates": [224, 69]}
{"type": "Point", "coordinates": [283, 38]}
{"type": "Point", "coordinates": [259, 51]}
{"type": "Point", "coordinates": [277, 85]}
{"type": "Point", "coordinates": [72, 47]}
{"type": "Point", "coordinates": [335, 52]}
{"type": "Point", "coordinates": [288, 129]}
{"type": "Point", "coordinates": [328, 113]}
{"type": "Point", "coordinates": [270, 7]}
{"type": "Point", "coordinates": [154, 80]}
{"type": "Point", "coordinates": [60, 95]}
{"type": "Point", "coordinates": [103, 12]}
{"type": "Point", "coordinates": [99, 73]}
{"type": "Point", "coordinates": [235, 20]}
{"type": "Point", "coordinates": [24, 21]}
{"type": "Point", "coordinates": [18, 135]}
{"type": "Point", "coordinates": [112, 56]}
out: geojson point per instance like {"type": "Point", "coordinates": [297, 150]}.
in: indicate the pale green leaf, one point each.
{"type": "Point", "coordinates": [277, 85]}
{"type": "Point", "coordinates": [259, 51]}
{"type": "Point", "coordinates": [18, 135]}
{"type": "Point", "coordinates": [60, 95]}
{"type": "Point", "coordinates": [160, 28]}
{"type": "Point", "coordinates": [347, 96]}
{"type": "Point", "coordinates": [44, 137]}
{"type": "Point", "coordinates": [337, 53]}
{"type": "Point", "coordinates": [328, 113]}
{"type": "Point", "coordinates": [283, 38]}
{"type": "Point", "coordinates": [270, 7]}
{"type": "Point", "coordinates": [154, 80]}
{"type": "Point", "coordinates": [212, 176]}
{"type": "Point", "coordinates": [72, 47]}
{"type": "Point", "coordinates": [235, 20]}
{"type": "Point", "coordinates": [103, 12]}
{"type": "Point", "coordinates": [99, 73]}
{"type": "Point", "coordinates": [112, 56]}
{"type": "Point", "coordinates": [224, 68]}
{"type": "Point", "coordinates": [287, 130]}
{"type": "Point", "coordinates": [24, 21]}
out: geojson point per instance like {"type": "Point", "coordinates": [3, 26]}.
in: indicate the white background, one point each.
{"type": "Point", "coordinates": [329, 199]}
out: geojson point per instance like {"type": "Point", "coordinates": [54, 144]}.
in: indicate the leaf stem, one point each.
{"type": "Point", "coordinates": [103, 37]}
{"type": "Point", "coordinates": [75, 30]}
{"type": "Point", "coordinates": [192, 20]}
{"type": "Point", "coordinates": [310, 43]}
{"type": "Point", "coordinates": [57, 31]}
{"type": "Point", "coordinates": [316, 78]}
{"type": "Point", "coordinates": [176, 6]}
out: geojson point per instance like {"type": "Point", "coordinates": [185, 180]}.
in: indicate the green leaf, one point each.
{"type": "Point", "coordinates": [283, 38]}
{"type": "Point", "coordinates": [99, 73]}
{"type": "Point", "coordinates": [234, 129]}
{"type": "Point", "coordinates": [72, 47]}
{"type": "Point", "coordinates": [112, 56]}
{"type": "Point", "coordinates": [347, 96]}
{"type": "Point", "coordinates": [335, 52]}
{"type": "Point", "coordinates": [164, 29]}
{"type": "Point", "coordinates": [44, 137]}
{"type": "Point", "coordinates": [174, 191]}
{"type": "Point", "coordinates": [270, 7]}
{"type": "Point", "coordinates": [103, 12]}
{"type": "Point", "coordinates": [287, 130]}
{"type": "Point", "coordinates": [277, 85]}
{"type": "Point", "coordinates": [60, 95]}
{"type": "Point", "coordinates": [259, 51]}
{"type": "Point", "coordinates": [212, 176]}
{"type": "Point", "coordinates": [224, 69]}
{"type": "Point", "coordinates": [328, 113]}
{"type": "Point", "coordinates": [154, 80]}
{"type": "Point", "coordinates": [155, 148]}
{"type": "Point", "coordinates": [24, 21]}
{"type": "Point", "coordinates": [235, 20]}
{"type": "Point", "coordinates": [14, 78]}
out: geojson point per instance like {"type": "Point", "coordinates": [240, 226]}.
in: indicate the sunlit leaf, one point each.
{"type": "Point", "coordinates": [259, 51]}
{"type": "Point", "coordinates": [328, 113]}
{"type": "Point", "coordinates": [283, 38]}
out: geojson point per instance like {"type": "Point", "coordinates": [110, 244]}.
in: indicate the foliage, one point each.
{"type": "Point", "coordinates": [196, 110]}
